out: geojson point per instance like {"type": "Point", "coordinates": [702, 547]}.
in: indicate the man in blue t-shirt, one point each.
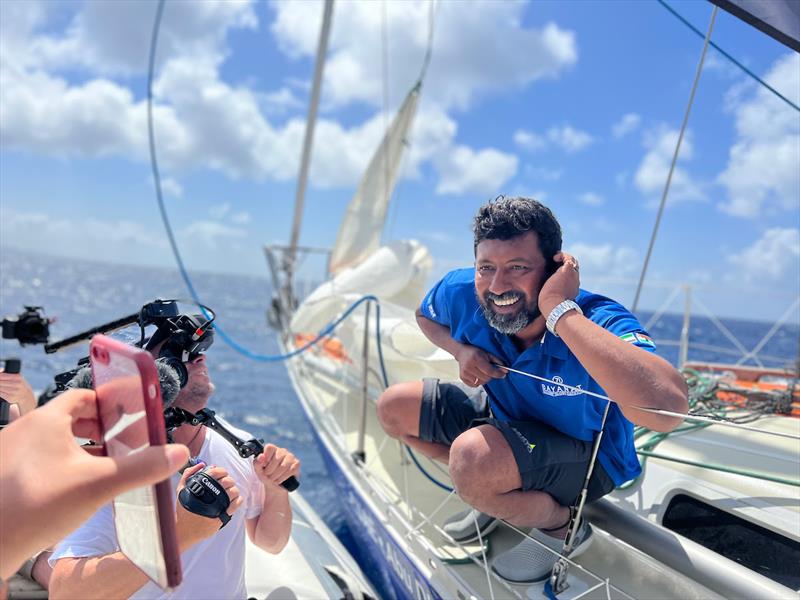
{"type": "Point", "coordinates": [518, 447]}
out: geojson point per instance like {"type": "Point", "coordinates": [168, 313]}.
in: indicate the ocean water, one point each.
{"type": "Point", "coordinates": [256, 396]}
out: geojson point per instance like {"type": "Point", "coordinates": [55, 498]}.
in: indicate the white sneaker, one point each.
{"type": "Point", "coordinates": [528, 562]}
{"type": "Point", "coordinates": [461, 526]}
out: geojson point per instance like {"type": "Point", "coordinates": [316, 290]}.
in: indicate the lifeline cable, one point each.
{"type": "Point", "coordinates": [657, 411]}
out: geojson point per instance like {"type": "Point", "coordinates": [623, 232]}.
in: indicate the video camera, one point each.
{"type": "Point", "coordinates": [29, 327]}
{"type": "Point", "coordinates": [182, 337]}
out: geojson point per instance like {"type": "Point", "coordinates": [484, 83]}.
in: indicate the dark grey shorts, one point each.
{"type": "Point", "coordinates": [548, 460]}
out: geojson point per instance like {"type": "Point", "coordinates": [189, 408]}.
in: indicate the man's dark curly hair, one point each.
{"type": "Point", "coordinates": [506, 218]}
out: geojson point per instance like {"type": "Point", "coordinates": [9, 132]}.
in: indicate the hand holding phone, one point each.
{"type": "Point", "coordinates": [130, 415]}
{"type": "Point", "coordinates": [40, 447]}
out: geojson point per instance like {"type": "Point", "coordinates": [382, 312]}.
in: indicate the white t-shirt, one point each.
{"type": "Point", "coordinates": [213, 568]}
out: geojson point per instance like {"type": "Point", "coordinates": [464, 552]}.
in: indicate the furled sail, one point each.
{"type": "Point", "coordinates": [779, 19]}
{"type": "Point", "coordinates": [360, 232]}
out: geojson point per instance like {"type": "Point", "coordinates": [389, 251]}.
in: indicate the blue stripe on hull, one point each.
{"type": "Point", "coordinates": [398, 577]}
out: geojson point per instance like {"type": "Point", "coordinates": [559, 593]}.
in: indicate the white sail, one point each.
{"type": "Point", "coordinates": [360, 232]}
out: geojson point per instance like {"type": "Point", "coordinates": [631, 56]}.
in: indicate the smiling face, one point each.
{"type": "Point", "coordinates": [194, 396]}
{"type": "Point", "coordinates": [508, 277]}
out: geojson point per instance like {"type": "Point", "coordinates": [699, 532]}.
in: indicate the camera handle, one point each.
{"type": "Point", "coordinates": [174, 417]}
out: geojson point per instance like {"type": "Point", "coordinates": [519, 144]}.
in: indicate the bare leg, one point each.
{"type": "Point", "coordinates": [485, 473]}
{"type": "Point", "coordinates": [398, 413]}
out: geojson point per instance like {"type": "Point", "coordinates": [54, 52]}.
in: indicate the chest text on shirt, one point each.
{"type": "Point", "coordinates": [559, 390]}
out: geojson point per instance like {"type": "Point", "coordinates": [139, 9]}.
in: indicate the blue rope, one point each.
{"type": "Point", "coordinates": [430, 477]}
{"type": "Point", "coordinates": [190, 286]}
{"type": "Point", "coordinates": [728, 56]}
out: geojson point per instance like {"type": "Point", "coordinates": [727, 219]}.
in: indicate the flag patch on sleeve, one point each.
{"type": "Point", "coordinates": [638, 338]}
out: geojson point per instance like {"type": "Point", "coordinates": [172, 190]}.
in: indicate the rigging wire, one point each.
{"type": "Point", "coordinates": [729, 57]}
{"type": "Point", "coordinates": [674, 160]}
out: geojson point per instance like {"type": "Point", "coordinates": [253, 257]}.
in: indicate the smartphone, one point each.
{"type": "Point", "coordinates": [131, 418]}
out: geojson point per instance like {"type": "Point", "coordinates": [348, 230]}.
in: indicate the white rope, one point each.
{"type": "Point", "coordinates": [483, 555]}
{"type": "Point", "coordinates": [757, 348]}
{"type": "Point", "coordinates": [655, 411]}
{"type": "Point", "coordinates": [674, 161]}
{"type": "Point", "coordinates": [725, 331]}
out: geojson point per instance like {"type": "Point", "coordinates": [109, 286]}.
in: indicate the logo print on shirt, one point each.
{"type": "Point", "coordinates": [525, 441]}
{"type": "Point", "coordinates": [559, 389]}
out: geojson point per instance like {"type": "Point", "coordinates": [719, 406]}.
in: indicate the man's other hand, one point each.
{"type": "Point", "coordinates": [477, 367]}
{"type": "Point", "coordinates": [275, 465]}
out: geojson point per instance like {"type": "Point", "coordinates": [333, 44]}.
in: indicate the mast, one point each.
{"type": "Point", "coordinates": [302, 179]}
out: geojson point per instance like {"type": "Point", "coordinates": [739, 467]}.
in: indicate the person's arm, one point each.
{"type": "Point", "coordinates": [631, 376]}
{"type": "Point", "coordinates": [476, 366]}
{"type": "Point", "coordinates": [95, 578]}
{"type": "Point", "coordinates": [40, 447]}
{"type": "Point", "coordinates": [114, 575]}
{"type": "Point", "coordinates": [15, 390]}
{"type": "Point", "coordinates": [271, 529]}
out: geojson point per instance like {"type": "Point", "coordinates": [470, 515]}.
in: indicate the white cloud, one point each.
{"type": "Point", "coordinates": [211, 233]}
{"type": "Point", "coordinates": [527, 140]}
{"type": "Point", "coordinates": [203, 122]}
{"type": "Point", "coordinates": [281, 101]}
{"type": "Point", "coordinates": [565, 137]}
{"type": "Point", "coordinates": [604, 260]}
{"type": "Point", "coordinates": [501, 52]}
{"type": "Point", "coordinates": [628, 123]}
{"type": "Point", "coordinates": [220, 210]}
{"type": "Point", "coordinates": [651, 175]}
{"type": "Point", "coordinates": [133, 242]}
{"type": "Point", "coordinates": [543, 173]}
{"type": "Point", "coordinates": [568, 138]}
{"type": "Point", "coordinates": [120, 240]}
{"type": "Point", "coordinates": [113, 38]}
{"type": "Point", "coordinates": [465, 171]}
{"type": "Point", "coordinates": [241, 218]}
{"type": "Point", "coordinates": [592, 199]}
{"type": "Point", "coordinates": [763, 172]}
{"type": "Point", "coordinates": [773, 256]}
{"type": "Point", "coordinates": [171, 187]}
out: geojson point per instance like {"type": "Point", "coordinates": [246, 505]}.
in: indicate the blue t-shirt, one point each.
{"type": "Point", "coordinates": [452, 302]}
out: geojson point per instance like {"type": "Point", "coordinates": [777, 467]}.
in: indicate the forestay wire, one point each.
{"type": "Point", "coordinates": [728, 56]}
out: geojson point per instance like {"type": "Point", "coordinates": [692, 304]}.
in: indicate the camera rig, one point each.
{"type": "Point", "coordinates": [181, 336]}
{"type": "Point", "coordinates": [174, 417]}
{"type": "Point", "coordinates": [28, 327]}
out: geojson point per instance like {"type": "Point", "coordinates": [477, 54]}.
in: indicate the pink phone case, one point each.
{"type": "Point", "coordinates": [103, 350]}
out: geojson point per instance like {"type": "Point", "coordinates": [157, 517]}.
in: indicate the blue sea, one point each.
{"type": "Point", "coordinates": [256, 396]}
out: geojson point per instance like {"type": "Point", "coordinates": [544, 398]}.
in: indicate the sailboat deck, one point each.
{"type": "Point", "coordinates": [416, 509]}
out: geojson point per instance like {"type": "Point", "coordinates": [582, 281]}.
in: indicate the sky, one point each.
{"type": "Point", "coordinates": [575, 103]}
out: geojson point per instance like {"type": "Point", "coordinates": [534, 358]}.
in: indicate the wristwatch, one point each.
{"type": "Point", "coordinates": [559, 311]}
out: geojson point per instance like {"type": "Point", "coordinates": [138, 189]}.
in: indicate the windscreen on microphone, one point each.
{"type": "Point", "coordinates": [167, 378]}
{"type": "Point", "coordinates": [170, 382]}
{"type": "Point", "coordinates": [82, 379]}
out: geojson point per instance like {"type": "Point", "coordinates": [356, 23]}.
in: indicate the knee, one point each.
{"type": "Point", "coordinates": [470, 464]}
{"type": "Point", "coordinates": [395, 409]}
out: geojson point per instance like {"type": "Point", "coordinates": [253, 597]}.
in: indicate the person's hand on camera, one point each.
{"type": "Point", "coordinates": [14, 389]}
{"type": "Point", "coordinates": [192, 528]}
{"type": "Point", "coordinates": [275, 465]}
{"type": "Point", "coordinates": [49, 486]}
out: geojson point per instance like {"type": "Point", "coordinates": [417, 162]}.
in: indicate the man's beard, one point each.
{"type": "Point", "coordinates": [510, 323]}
